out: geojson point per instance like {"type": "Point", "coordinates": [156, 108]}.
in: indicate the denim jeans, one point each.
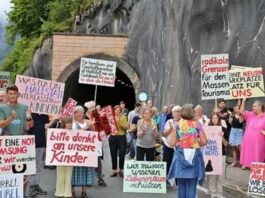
{"type": "Point", "coordinates": [187, 188]}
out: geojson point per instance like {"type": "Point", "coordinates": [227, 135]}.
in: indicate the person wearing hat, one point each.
{"type": "Point", "coordinates": [91, 106]}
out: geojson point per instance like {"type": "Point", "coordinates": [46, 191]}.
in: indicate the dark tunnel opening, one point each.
{"type": "Point", "coordinates": [123, 90]}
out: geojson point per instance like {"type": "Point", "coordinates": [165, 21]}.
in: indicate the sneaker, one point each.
{"type": "Point", "coordinates": [40, 191]}
{"type": "Point", "coordinates": [32, 191]}
{"type": "Point", "coordinates": [102, 183]}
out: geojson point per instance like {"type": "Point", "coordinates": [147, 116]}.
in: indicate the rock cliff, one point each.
{"type": "Point", "coordinates": [167, 37]}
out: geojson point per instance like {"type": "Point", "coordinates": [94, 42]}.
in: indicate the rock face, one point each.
{"type": "Point", "coordinates": [41, 65]}
{"type": "Point", "coordinates": [167, 38]}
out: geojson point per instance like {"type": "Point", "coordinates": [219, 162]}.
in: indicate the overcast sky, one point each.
{"type": "Point", "coordinates": [5, 6]}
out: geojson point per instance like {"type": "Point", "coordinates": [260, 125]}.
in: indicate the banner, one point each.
{"type": "Point", "coordinates": [214, 76]}
{"type": "Point", "coordinates": [11, 186]}
{"type": "Point", "coordinates": [144, 177]}
{"type": "Point", "coordinates": [72, 148]}
{"type": "Point", "coordinates": [17, 155]}
{"type": "Point", "coordinates": [97, 72]}
{"type": "Point", "coordinates": [68, 108]}
{"type": "Point", "coordinates": [4, 79]}
{"type": "Point", "coordinates": [41, 96]}
{"type": "Point", "coordinates": [246, 82]}
{"type": "Point", "coordinates": [212, 152]}
{"type": "Point", "coordinates": [256, 185]}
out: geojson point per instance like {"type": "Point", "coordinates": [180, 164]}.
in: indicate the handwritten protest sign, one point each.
{"type": "Point", "coordinates": [68, 108]}
{"type": "Point", "coordinates": [109, 114]}
{"type": "Point", "coordinates": [246, 82]}
{"type": "Point", "coordinates": [4, 79]}
{"type": "Point", "coordinates": [41, 96]}
{"type": "Point", "coordinates": [11, 186]}
{"type": "Point", "coordinates": [214, 76]}
{"type": "Point", "coordinates": [144, 177]}
{"type": "Point", "coordinates": [212, 152]}
{"type": "Point", "coordinates": [72, 148]}
{"type": "Point", "coordinates": [256, 184]}
{"type": "Point", "coordinates": [97, 72]}
{"type": "Point", "coordinates": [17, 155]}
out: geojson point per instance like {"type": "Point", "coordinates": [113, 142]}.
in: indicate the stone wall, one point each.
{"type": "Point", "coordinates": [68, 47]}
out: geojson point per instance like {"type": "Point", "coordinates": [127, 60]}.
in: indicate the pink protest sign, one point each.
{"type": "Point", "coordinates": [68, 108]}
{"type": "Point", "coordinates": [41, 96]}
{"type": "Point", "coordinates": [212, 152]}
{"type": "Point", "coordinates": [72, 148]}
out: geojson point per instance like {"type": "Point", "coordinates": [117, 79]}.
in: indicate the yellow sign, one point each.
{"type": "Point", "coordinates": [246, 83]}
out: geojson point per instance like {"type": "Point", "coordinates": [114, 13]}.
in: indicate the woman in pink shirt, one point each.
{"type": "Point", "coordinates": [253, 145]}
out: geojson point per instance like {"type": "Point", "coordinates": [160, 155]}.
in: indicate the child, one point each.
{"type": "Point", "coordinates": [64, 173]}
{"type": "Point", "coordinates": [216, 181]}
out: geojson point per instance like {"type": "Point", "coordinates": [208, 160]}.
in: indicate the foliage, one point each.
{"type": "Point", "coordinates": [20, 57]}
{"type": "Point", "coordinates": [33, 21]}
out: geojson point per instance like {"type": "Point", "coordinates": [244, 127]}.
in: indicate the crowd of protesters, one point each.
{"type": "Point", "coordinates": [180, 127]}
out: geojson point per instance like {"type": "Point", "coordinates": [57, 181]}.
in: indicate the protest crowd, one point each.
{"type": "Point", "coordinates": [136, 135]}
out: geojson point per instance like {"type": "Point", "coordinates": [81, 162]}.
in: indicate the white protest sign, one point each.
{"type": "Point", "coordinates": [256, 184]}
{"type": "Point", "coordinates": [11, 186]}
{"type": "Point", "coordinates": [72, 148]}
{"type": "Point", "coordinates": [97, 72]}
{"type": "Point", "coordinates": [41, 96]}
{"type": "Point", "coordinates": [214, 76]}
{"type": "Point", "coordinates": [17, 155]}
{"type": "Point", "coordinates": [144, 177]}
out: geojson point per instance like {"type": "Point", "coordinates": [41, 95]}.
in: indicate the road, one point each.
{"type": "Point", "coordinates": [113, 189]}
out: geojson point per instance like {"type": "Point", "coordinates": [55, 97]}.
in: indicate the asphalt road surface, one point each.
{"type": "Point", "coordinates": [114, 185]}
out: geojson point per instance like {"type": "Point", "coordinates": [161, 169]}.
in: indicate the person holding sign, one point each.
{"type": "Point", "coordinates": [64, 173]}
{"type": "Point", "coordinates": [15, 118]}
{"type": "Point", "coordinates": [146, 136]}
{"type": "Point", "coordinates": [236, 134]}
{"type": "Point", "coordinates": [168, 152]}
{"type": "Point", "coordinates": [117, 143]}
{"type": "Point", "coordinates": [187, 164]}
{"type": "Point", "coordinates": [216, 181]}
{"type": "Point", "coordinates": [91, 106]}
{"type": "Point", "coordinates": [253, 144]}
{"type": "Point", "coordinates": [82, 176]}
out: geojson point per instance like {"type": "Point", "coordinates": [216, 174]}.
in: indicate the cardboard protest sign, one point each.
{"type": "Point", "coordinates": [41, 96]}
{"type": "Point", "coordinates": [214, 76]}
{"type": "Point", "coordinates": [256, 185]}
{"type": "Point", "coordinates": [68, 108]}
{"type": "Point", "coordinates": [246, 83]}
{"type": "Point", "coordinates": [105, 122]}
{"type": "Point", "coordinates": [17, 155]}
{"type": "Point", "coordinates": [11, 185]}
{"type": "Point", "coordinates": [97, 72]}
{"type": "Point", "coordinates": [144, 177]}
{"type": "Point", "coordinates": [112, 125]}
{"type": "Point", "coordinates": [4, 79]}
{"type": "Point", "coordinates": [212, 152]}
{"type": "Point", "coordinates": [72, 148]}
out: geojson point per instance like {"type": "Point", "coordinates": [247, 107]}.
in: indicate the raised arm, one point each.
{"type": "Point", "coordinates": [243, 105]}
{"type": "Point", "coordinates": [172, 138]}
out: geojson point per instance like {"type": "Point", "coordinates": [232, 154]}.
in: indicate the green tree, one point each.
{"type": "Point", "coordinates": [26, 18]}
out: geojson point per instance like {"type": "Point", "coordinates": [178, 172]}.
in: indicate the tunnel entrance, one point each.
{"type": "Point", "coordinates": [82, 93]}
{"type": "Point", "coordinates": [127, 84]}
